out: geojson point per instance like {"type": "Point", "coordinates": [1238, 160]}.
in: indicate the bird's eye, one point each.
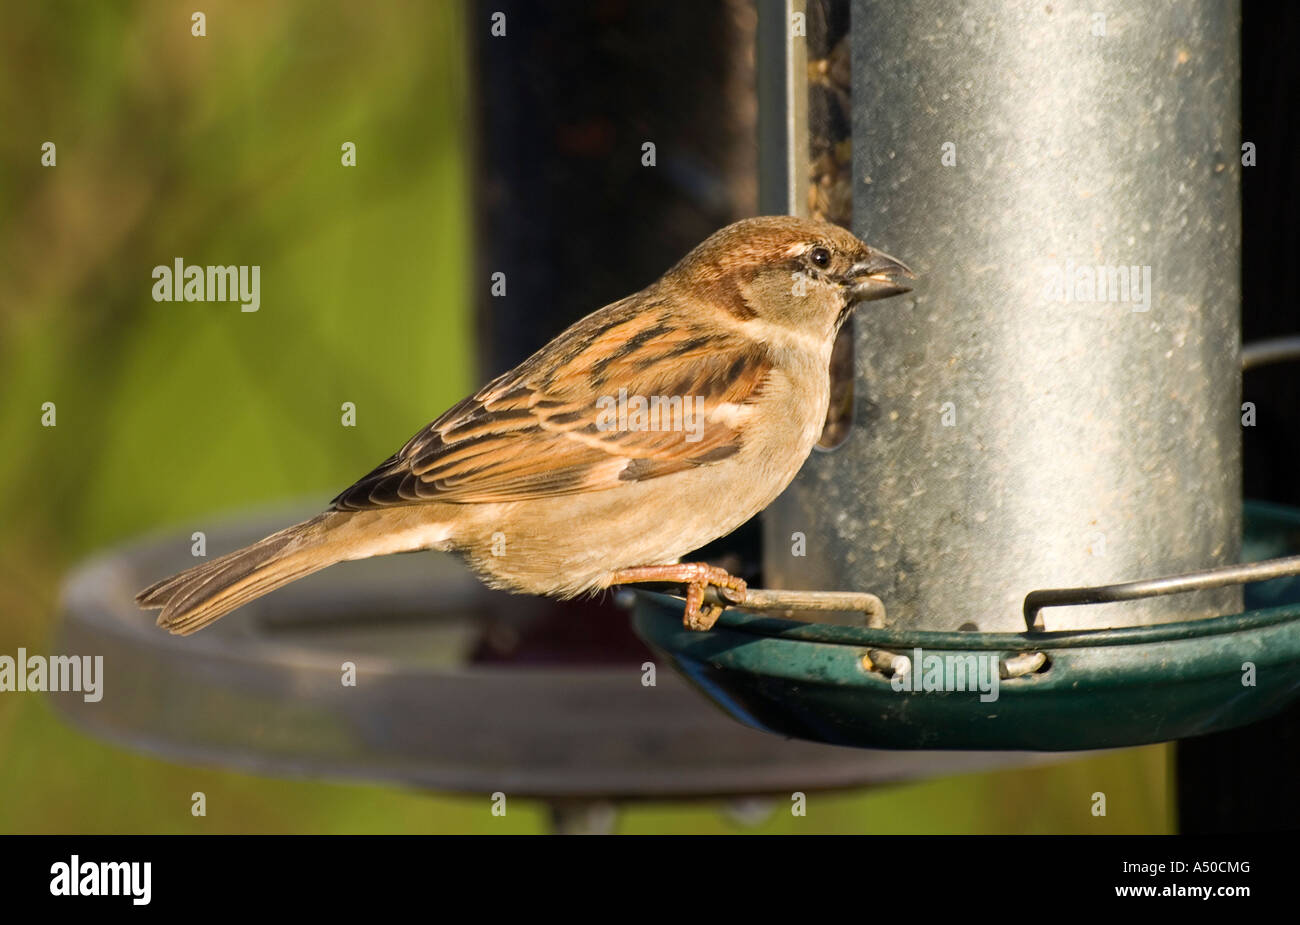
{"type": "Point", "coordinates": [820, 257]}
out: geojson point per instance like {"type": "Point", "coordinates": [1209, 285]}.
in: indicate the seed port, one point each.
{"type": "Point", "coordinates": [1021, 665]}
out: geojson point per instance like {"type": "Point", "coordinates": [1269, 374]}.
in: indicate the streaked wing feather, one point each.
{"type": "Point", "coordinates": [534, 431]}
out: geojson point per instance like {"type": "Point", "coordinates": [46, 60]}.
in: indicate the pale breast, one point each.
{"type": "Point", "coordinates": [570, 544]}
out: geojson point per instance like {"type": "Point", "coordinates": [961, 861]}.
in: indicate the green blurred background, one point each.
{"type": "Point", "coordinates": [225, 149]}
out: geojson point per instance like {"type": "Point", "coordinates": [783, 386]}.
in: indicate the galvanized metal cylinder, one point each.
{"type": "Point", "coordinates": [1058, 402]}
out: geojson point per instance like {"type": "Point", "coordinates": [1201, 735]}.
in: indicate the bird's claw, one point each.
{"type": "Point", "coordinates": [698, 578]}
{"type": "Point", "coordinates": [701, 615]}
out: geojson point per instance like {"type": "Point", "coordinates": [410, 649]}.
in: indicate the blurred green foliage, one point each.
{"type": "Point", "coordinates": [225, 149]}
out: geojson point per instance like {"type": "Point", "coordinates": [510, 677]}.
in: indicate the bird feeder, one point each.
{"type": "Point", "coordinates": [1032, 460]}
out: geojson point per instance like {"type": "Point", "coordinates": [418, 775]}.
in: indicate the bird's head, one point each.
{"type": "Point", "coordinates": [794, 272]}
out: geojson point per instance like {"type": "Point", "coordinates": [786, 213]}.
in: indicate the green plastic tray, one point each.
{"type": "Point", "coordinates": [1097, 689]}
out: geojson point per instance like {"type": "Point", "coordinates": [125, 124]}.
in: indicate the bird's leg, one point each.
{"type": "Point", "coordinates": [696, 576]}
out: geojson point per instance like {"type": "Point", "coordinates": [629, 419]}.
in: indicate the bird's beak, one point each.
{"type": "Point", "coordinates": [877, 277]}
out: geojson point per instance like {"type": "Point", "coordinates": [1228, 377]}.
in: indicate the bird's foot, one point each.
{"type": "Point", "coordinates": [697, 576]}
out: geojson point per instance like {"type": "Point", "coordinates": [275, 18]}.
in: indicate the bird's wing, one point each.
{"type": "Point", "coordinates": [552, 425]}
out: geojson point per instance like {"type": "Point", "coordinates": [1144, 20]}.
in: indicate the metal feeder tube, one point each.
{"type": "Point", "coordinates": [1016, 427]}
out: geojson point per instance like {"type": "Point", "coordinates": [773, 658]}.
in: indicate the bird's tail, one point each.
{"type": "Point", "coordinates": [200, 595]}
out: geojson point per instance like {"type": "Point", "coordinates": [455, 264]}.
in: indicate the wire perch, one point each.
{"type": "Point", "coordinates": [1220, 577]}
{"type": "Point", "coordinates": [763, 600]}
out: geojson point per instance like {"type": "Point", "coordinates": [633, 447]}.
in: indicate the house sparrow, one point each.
{"type": "Point", "coordinates": [647, 429]}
